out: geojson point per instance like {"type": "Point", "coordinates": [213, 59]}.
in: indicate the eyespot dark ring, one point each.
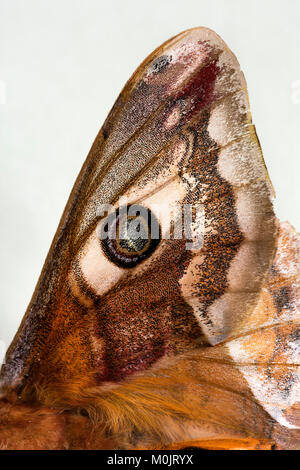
{"type": "Point", "coordinates": [130, 235]}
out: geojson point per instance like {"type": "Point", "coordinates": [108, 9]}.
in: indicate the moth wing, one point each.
{"type": "Point", "coordinates": [181, 133]}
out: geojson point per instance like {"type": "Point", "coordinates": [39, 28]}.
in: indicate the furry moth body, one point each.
{"type": "Point", "coordinates": [160, 341]}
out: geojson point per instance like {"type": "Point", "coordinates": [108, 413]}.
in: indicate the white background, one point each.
{"type": "Point", "coordinates": [62, 65]}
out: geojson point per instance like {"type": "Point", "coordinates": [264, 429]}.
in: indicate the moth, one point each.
{"type": "Point", "coordinates": [167, 312]}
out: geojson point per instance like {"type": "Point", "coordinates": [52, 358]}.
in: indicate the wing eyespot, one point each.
{"type": "Point", "coordinates": [130, 235]}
